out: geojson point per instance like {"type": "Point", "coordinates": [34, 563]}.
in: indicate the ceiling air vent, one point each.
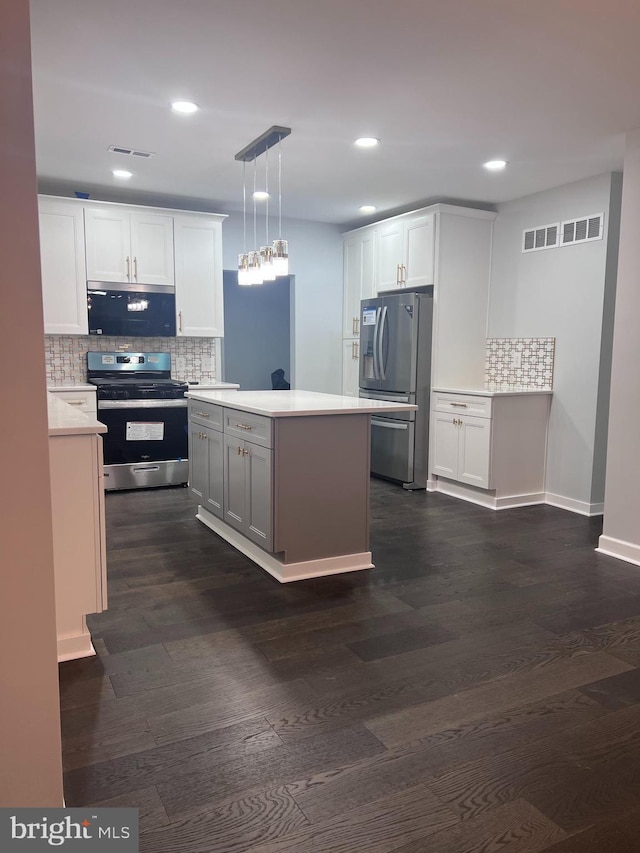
{"type": "Point", "coordinates": [131, 152]}
{"type": "Point", "coordinates": [542, 237]}
{"type": "Point", "coordinates": [582, 230]}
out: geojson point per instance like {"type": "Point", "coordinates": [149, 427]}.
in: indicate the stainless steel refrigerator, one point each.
{"type": "Point", "coordinates": [395, 364]}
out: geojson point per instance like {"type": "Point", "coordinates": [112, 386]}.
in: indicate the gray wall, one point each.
{"type": "Point", "coordinates": [315, 259]}
{"type": "Point", "coordinates": [257, 337]}
{"type": "Point", "coordinates": [560, 292]}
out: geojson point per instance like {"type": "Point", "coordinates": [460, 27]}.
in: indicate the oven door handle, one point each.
{"type": "Point", "coordinates": [181, 403]}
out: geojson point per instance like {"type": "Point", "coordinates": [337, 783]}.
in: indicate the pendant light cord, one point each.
{"type": "Point", "coordinates": [266, 188]}
{"type": "Point", "coordinates": [244, 206]}
{"type": "Point", "coordinates": [255, 229]}
{"type": "Point", "coordinates": [280, 187]}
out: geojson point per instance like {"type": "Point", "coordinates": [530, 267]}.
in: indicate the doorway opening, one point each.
{"type": "Point", "coordinates": [258, 332]}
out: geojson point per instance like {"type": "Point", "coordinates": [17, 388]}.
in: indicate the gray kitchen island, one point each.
{"type": "Point", "coordinates": [283, 476]}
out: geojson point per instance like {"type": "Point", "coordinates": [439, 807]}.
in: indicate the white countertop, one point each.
{"type": "Point", "coordinates": [213, 386]}
{"type": "Point", "coordinates": [71, 388]}
{"type": "Point", "coordinates": [491, 392]}
{"type": "Point", "coordinates": [66, 420]}
{"type": "Point", "coordinates": [282, 404]}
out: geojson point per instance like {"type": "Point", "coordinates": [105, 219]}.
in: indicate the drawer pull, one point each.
{"type": "Point", "coordinates": [462, 405]}
{"type": "Point", "coordinates": [202, 414]}
{"type": "Point", "coordinates": [243, 426]}
{"type": "Point", "coordinates": [76, 402]}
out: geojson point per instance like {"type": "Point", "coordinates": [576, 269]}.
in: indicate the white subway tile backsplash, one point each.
{"type": "Point", "coordinates": [66, 355]}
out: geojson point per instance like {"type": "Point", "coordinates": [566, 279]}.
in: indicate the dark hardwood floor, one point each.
{"type": "Point", "coordinates": [478, 691]}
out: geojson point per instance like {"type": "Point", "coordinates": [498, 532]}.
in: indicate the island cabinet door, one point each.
{"type": "Point", "coordinates": [259, 495]}
{"type": "Point", "coordinates": [215, 473]}
{"type": "Point", "coordinates": [235, 488]}
{"type": "Point", "coordinates": [198, 463]}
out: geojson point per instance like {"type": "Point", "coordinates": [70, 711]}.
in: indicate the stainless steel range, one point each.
{"type": "Point", "coordinates": [146, 414]}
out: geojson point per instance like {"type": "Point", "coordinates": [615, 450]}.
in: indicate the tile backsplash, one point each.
{"type": "Point", "coordinates": [520, 362]}
{"type": "Point", "coordinates": [193, 359]}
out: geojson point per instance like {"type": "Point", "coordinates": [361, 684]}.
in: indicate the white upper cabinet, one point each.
{"type": "Point", "coordinates": [199, 293]}
{"type": "Point", "coordinates": [64, 287]}
{"type": "Point", "coordinates": [405, 252]}
{"type": "Point", "coordinates": [358, 278]}
{"type": "Point", "coordinates": [129, 245]}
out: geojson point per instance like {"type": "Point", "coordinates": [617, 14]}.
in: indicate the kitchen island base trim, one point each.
{"type": "Point", "coordinates": [285, 572]}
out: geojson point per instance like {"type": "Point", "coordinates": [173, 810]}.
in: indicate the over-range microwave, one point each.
{"type": "Point", "coordinates": [131, 310]}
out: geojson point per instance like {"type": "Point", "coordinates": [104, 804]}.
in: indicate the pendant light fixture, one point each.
{"type": "Point", "coordinates": [265, 263]}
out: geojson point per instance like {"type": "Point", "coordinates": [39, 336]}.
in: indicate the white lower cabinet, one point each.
{"type": "Point", "coordinates": [499, 449]}
{"type": "Point", "coordinates": [462, 448]}
{"type": "Point", "coordinates": [351, 367]}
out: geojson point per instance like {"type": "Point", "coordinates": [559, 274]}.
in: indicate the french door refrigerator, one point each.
{"type": "Point", "coordinates": [395, 365]}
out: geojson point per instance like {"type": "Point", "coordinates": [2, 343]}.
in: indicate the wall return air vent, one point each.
{"type": "Point", "coordinates": [131, 152]}
{"type": "Point", "coordinates": [541, 237]}
{"type": "Point", "coordinates": [582, 230]}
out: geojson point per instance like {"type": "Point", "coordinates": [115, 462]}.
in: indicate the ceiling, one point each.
{"type": "Point", "coordinates": [550, 86]}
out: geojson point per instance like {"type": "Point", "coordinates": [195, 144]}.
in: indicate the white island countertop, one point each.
{"type": "Point", "coordinates": [65, 420]}
{"type": "Point", "coordinates": [287, 404]}
{"type": "Point", "coordinates": [492, 392]}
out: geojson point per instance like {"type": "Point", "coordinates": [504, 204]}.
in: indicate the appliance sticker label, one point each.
{"type": "Point", "coordinates": [368, 316]}
{"type": "Point", "coordinates": [153, 359]}
{"type": "Point", "coordinates": [145, 431]}
{"type": "Point", "coordinates": [108, 359]}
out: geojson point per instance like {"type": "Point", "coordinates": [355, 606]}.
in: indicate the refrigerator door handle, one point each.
{"type": "Point", "coordinates": [383, 321]}
{"type": "Point", "coordinates": [376, 333]}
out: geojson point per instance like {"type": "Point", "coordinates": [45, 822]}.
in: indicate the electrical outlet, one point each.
{"type": "Point", "coordinates": [516, 359]}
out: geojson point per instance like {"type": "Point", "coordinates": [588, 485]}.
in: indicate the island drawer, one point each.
{"type": "Point", "coordinates": [84, 401]}
{"type": "Point", "coordinates": [207, 414]}
{"type": "Point", "coordinates": [254, 428]}
{"type": "Point", "coordinates": [463, 404]}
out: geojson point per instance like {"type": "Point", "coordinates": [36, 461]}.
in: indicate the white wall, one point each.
{"type": "Point", "coordinates": [621, 534]}
{"type": "Point", "coordinates": [315, 259]}
{"type": "Point", "coordinates": [560, 292]}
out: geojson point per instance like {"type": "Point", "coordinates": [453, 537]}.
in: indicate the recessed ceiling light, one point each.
{"type": "Point", "coordinates": [184, 107]}
{"type": "Point", "coordinates": [495, 165]}
{"type": "Point", "coordinates": [122, 173]}
{"type": "Point", "coordinates": [260, 195]}
{"type": "Point", "coordinates": [367, 208]}
{"type": "Point", "coordinates": [367, 142]}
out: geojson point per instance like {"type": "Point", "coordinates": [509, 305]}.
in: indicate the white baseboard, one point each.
{"type": "Point", "coordinates": [432, 485]}
{"type": "Point", "coordinates": [71, 648]}
{"type": "Point", "coordinates": [581, 507]}
{"type": "Point", "coordinates": [628, 551]}
{"type": "Point", "coordinates": [285, 572]}
{"type": "Point", "coordinates": [487, 499]}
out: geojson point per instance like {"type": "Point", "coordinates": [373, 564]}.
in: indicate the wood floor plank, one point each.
{"type": "Point", "coordinates": [378, 827]}
{"type": "Point", "coordinates": [146, 800]}
{"type": "Point", "coordinates": [233, 829]}
{"type": "Point", "coordinates": [324, 795]}
{"type": "Point", "coordinates": [494, 696]}
{"type": "Point", "coordinates": [514, 828]}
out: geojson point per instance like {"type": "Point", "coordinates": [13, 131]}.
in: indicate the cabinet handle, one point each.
{"type": "Point", "coordinates": [75, 402]}
{"type": "Point", "coordinates": [135, 268]}
{"type": "Point", "coordinates": [245, 452]}
{"type": "Point", "coordinates": [179, 321]}
{"type": "Point", "coordinates": [243, 426]}
{"type": "Point", "coordinates": [202, 414]}
{"type": "Point", "coordinates": [355, 354]}
{"type": "Point", "coordinates": [398, 278]}
{"type": "Point", "coordinates": [404, 277]}
{"type": "Point", "coordinates": [239, 450]}
{"type": "Point", "coordinates": [460, 405]}
{"type": "Point", "coordinates": [128, 269]}
{"type": "Point", "coordinates": [354, 325]}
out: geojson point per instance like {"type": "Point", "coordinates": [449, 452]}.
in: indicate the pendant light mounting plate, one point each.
{"type": "Point", "coordinates": [267, 140]}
